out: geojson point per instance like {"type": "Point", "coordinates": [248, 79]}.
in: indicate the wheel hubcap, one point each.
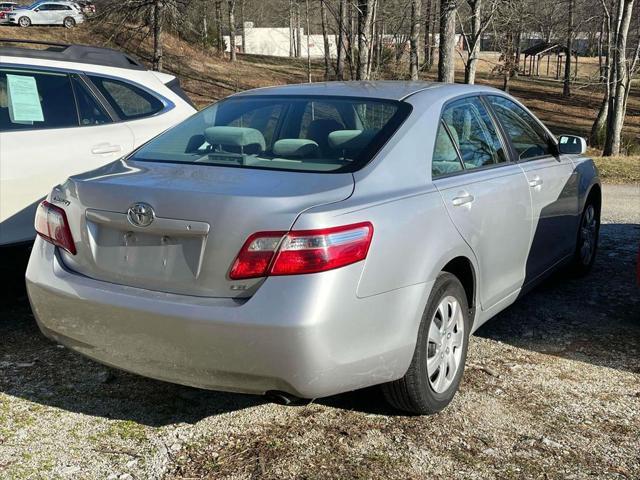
{"type": "Point", "coordinates": [444, 350]}
{"type": "Point", "coordinates": [588, 235]}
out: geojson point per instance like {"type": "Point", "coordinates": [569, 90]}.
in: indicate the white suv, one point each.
{"type": "Point", "coordinates": [47, 13]}
{"type": "Point", "coordinates": [69, 109]}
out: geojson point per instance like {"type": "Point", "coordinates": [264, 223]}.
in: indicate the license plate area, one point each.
{"type": "Point", "coordinates": [167, 251]}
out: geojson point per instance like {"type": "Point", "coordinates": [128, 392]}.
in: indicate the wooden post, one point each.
{"type": "Point", "coordinates": [548, 61]}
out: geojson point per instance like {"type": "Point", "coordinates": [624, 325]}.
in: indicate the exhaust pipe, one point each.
{"type": "Point", "coordinates": [284, 398]}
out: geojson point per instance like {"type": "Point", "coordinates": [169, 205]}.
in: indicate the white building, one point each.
{"type": "Point", "coordinates": [275, 42]}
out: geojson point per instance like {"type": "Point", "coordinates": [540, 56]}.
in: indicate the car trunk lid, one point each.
{"type": "Point", "coordinates": [202, 216]}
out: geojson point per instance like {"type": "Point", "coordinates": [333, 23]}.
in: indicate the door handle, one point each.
{"type": "Point", "coordinates": [536, 182]}
{"type": "Point", "coordinates": [104, 148]}
{"type": "Point", "coordinates": [462, 200]}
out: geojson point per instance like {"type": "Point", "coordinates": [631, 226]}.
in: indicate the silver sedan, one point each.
{"type": "Point", "coordinates": [307, 240]}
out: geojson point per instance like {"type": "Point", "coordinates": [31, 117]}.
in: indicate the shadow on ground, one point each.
{"type": "Point", "coordinates": [594, 319]}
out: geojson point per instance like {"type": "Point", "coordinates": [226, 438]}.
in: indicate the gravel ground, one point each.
{"type": "Point", "coordinates": [552, 390]}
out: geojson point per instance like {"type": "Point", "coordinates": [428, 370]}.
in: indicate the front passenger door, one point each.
{"type": "Point", "coordinates": [552, 182]}
{"type": "Point", "coordinates": [486, 196]}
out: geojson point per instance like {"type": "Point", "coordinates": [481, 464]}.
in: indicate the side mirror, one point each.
{"type": "Point", "coordinates": [37, 10]}
{"type": "Point", "coordinates": [572, 145]}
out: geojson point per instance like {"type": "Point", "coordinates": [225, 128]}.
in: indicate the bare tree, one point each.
{"type": "Point", "coordinates": [219, 37]}
{"type": "Point", "coordinates": [232, 30]}
{"type": "Point", "coordinates": [158, 20]}
{"type": "Point", "coordinates": [605, 68]}
{"type": "Point", "coordinates": [414, 38]}
{"type": "Point", "coordinates": [615, 118]}
{"type": "Point", "coordinates": [243, 33]}
{"type": "Point", "coordinates": [365, 11]}
{"type": "Point", "coordinates": [325, 39]}
{"type": "Point", "coordinates": [306, 10]}
{"type": "Point", "coordinates": [447, 44]}
{"type": "Point", "coordinates": [342, 25]}
{"type": "Point", "coordinates": [479, 20]}
{"type": "Point", "coordinates": [566, 88]}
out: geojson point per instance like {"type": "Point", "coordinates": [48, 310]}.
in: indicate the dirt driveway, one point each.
{"type": "Point", "coordinates": [552, 390]}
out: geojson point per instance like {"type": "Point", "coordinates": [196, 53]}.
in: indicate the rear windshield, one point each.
{"type": "Point", "coordinates": [315, 134]}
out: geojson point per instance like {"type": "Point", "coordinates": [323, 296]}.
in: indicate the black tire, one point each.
{"type": "Point", "coordinates": [414, 393]}
{"type": "Point", "coordinates": [69, 22]}
{"type": "Point", "coordinates": [581, 264]}
{"type": "Point", "coordinates": [24, 22]}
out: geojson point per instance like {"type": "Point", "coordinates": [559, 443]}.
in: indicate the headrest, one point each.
{"type": "Point", "coordinates": [295, 147]}
{"type": "Point", "coordinates": [350, 139]}
{"type": "Point", "coordinates": [236, 136]}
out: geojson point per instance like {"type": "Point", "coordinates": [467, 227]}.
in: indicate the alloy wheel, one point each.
{"type": "Point", "coordinates": [445, 341]}
{"type": "Point", "coordinates": [588, 232]}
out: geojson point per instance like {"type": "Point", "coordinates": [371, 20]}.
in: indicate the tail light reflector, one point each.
{"type": "Point", "coordinates": [302, 251]}
{"type": "Point", "coordinates": [52, 225]}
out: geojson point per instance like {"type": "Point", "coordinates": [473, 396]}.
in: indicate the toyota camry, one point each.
{"type": "Point", "coordinates": [307, 240]}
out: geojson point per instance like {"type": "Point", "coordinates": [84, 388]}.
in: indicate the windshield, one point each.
{"type": "Point", "coordinates": [319, 134]}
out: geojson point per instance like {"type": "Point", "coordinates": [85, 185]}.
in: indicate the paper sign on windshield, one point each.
{"type": "Point", "coordinates": [24, 100]}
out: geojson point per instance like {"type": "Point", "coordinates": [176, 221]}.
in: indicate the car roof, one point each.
{"type": "Point", "coordinates": [71, 53]}
{"type": "Point", "coordinates": [379, 89]}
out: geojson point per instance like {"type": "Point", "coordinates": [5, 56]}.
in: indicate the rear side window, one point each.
{"type": "Point", "coordinates": [90, 112]}
{"type": "Point", "coordinates": [528, 137]}
{"type": "Point", "coordinates": [474, 133]}
{"type": "Point", "coordinates": [36, 100]}
{"type": "Point", "coordinates": [129, 102]}
{"type": "Point", "coordinates": [445, 157]}
{"type": "Point", "coordinates": [315, 133]}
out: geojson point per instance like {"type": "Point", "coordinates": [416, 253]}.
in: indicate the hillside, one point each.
{"type": "Point", "coordinates": [207, 78]}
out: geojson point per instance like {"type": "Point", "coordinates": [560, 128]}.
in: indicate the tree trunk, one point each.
{"type": "Point", "coordinates": [158, 17]}
{"type": "Point", "coordinates": [617, 102]}
{"type": "Point", "coordinates": [308, 32]}
{"type": "Point", "coordinates": [232, 30]}
{"type": "Point", "coordinates": [566, 88]}
{"type": "Point", "coordinates": [414, 39]}
{"type": "Point", "coordinates": [446, 58]}
{"type": "Point", "coordinates": [292, 36]}
{"type": "Point", "coordinates": [474, 42]}
{"type": "Point", "coordinates": [205, 27]}
{"type": "Point", "coordinates": [219, 37]}
{"type": "Point", "coordinates": [325, 40]}
{"type": "Point", "coordinates": [342, 17]}
{"type": "Point", "coordinates": [596, 136]}
{"type": "Point", "coordinates": [298, 33]}
{"type": "Point", "coordinates": [365, 14]}
{"type": "Point", "coordinates": [243, 45]}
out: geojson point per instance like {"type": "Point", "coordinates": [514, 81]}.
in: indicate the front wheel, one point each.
{"type": "Point", "coordinates": [437, 366]}
{"type": "Point", "coordinates": [69, 22]}
{"type": "Point", "coordinates": [24, 21]}
{"type": "Point", "coordinates": [587, 242]}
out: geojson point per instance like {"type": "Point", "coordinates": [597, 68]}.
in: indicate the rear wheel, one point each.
{"type": "Point", "coordinates": [69, 22]}
{"type": "Point", "coordinates": [587, 242]}
{"type": "Point", "coordinates": [24, 21]}
{"type": "Point", "coordinates": [441, 351]}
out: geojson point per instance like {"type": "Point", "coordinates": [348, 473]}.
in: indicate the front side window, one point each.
{"type": "Point", "coordinates": [474, 133]}
{"type": "Point", "coordinates": [36, 100]}
{"type": "Point", "coordinates": [528, 137]}
{"type": "Point", "coordinates": [318, 134]}
{"type": "Point", "coordinates": [129, 102]}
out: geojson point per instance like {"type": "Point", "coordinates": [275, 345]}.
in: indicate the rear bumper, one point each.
{"type": "Point", "coordinates": [306, 335]}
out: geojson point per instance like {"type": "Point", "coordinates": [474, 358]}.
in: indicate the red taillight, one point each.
{"type": "Point", "coordinates": [52, 225]}
{"type": "Point", "coordinates": [302, 251]}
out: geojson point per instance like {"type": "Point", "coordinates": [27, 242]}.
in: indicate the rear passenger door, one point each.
{"type": "Point", "coordinates": [552, 182]}
{"type": "Point", "coordinates": [486, 196]}
{"type": "Point", "coordinates": [52, 128]}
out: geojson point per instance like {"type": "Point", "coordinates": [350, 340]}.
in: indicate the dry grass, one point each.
{"type": "Point", "coordinates": [619, 169]}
